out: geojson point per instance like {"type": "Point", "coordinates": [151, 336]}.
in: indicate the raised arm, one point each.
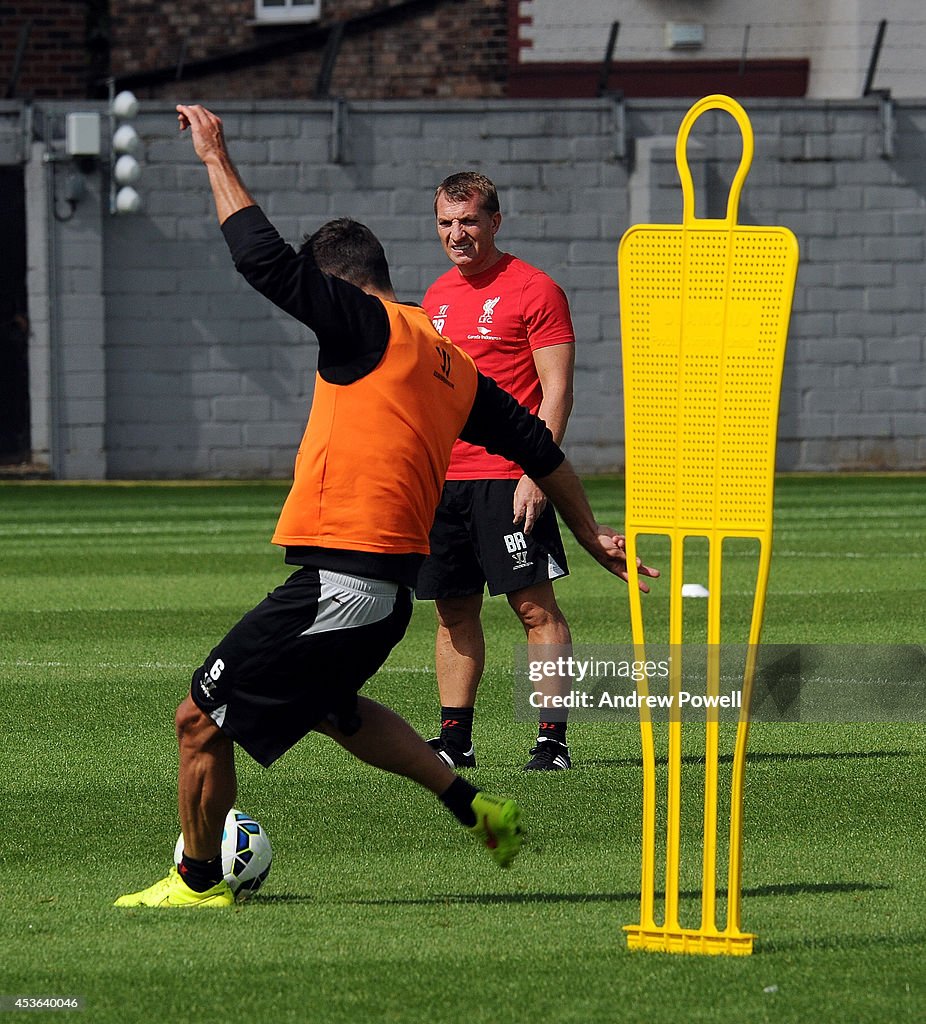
{"type": "Point", "coordinates": [352, 327]}
{"type": "Point", "coordinates": [228, 189]}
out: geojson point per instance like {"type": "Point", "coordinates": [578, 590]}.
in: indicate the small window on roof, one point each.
{"type": "Point", "coordinates": [287, 10]}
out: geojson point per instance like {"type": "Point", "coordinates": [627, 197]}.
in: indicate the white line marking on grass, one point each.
{"type": "Point", "coordinates": [854, 512]}
{"type": "Point", "coordinates": [30, 663]}
{"type": "Point", "coordinates": [121, 529]}
{"type": "Point", "coordinates": [26, 663]}
{"type": "Point", "coordinates": [808, 593]}
{"type": "Point", "coordinates": [836, 555]}
{"type": "Point", "coordinates": [159, 665]}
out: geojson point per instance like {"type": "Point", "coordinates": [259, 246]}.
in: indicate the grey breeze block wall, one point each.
{"type": "Point", "coordinates": [168, 365]}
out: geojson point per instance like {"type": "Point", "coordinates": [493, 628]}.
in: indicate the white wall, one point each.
{"type": "Point", "coordinates": [836, 35]}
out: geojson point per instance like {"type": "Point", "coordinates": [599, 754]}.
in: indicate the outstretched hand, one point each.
{"type": "Point", "coordinates": [611, 552]}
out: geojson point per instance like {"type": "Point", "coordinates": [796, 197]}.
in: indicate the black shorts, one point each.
{"type": "Point", "coordinates": [299, 657]}
{"type": "Point", "coordinates": [474, 543]}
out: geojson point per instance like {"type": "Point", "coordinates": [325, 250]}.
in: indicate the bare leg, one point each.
{"type": "Point", "coordinates": [207, 784]}
{"type": "Point", "coordinates": [540, 615]}
{"type": "Point", "coordinates": [544, 623]}
{"type": "Point", "coordinates": [385, 740]}
{"type": "Point", "coordinates": [459, 650]}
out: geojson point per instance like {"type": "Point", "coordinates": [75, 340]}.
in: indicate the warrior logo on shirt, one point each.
{"type": "Point", "coordinates": [488, 309]}
{"type": "Point", "coordinates": [443, 375]}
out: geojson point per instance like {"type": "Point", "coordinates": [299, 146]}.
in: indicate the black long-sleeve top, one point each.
{"type": "Point", "coordinates": [352, 328]}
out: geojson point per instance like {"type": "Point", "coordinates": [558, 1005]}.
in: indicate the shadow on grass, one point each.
{"type": "Point", "coordinates": [785, 889]}
{"type": "Point", "coordinates": [756, 758]}
{"type": "Point", "coordinates": [809, 888]}
{"type": "Point", "coordinates": [823, 755]}
{"type": "Point", "coordinates": [280, 899]}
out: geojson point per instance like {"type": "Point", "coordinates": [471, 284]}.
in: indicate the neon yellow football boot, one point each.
{"type": "Point", "coordinates": [498, 827]}
{"type": "Point", "coordinates": [174, 892]}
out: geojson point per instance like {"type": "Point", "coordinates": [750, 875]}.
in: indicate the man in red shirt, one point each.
{"type": "Point", "coordinates": [493, 526]}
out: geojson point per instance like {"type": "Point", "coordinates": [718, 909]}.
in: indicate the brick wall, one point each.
{"type": "Point", "coordinates": [57, 62]}
{"type": "Point", "coordinates": [421, 49]}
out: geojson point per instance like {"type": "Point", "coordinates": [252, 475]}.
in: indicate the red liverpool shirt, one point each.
{"type": "Point", "coordinates": [500, 317]}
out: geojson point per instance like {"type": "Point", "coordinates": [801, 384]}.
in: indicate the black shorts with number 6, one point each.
{"type": "Point", "coordinates": [299, 657]}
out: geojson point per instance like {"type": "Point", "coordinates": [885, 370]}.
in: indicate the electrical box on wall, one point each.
{"type": "Point", "coordinates": [82, 135]}
{"type": "Point", "coordinates": [684, 35]}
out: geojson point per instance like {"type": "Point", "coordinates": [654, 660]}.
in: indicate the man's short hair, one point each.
{"type": "Point", "coordinates": [464, 185]}
{"type": "Point", "coordinates": [347, 249]}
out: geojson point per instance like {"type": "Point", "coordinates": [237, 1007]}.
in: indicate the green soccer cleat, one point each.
{"type": "Point", "coordinates": [498, 827]}
{"type": "Point", "coordinates": [174, 892]}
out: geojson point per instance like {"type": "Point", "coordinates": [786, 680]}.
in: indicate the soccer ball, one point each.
{"type": "Point", "coordinates": [246, 854]}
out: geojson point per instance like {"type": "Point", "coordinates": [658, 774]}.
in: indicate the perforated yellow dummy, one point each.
{"type": "Point", "coordinates": [704, 308]}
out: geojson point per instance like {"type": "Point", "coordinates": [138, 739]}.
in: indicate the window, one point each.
{"type": "Point", "coordinates": [287, 10]}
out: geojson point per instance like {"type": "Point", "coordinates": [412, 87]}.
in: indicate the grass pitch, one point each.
{"type": "Point", "coordinates": [378, 907]}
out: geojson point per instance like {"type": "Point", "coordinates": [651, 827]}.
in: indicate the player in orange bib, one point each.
{"type": "Point", "coordinates": [391, 396]}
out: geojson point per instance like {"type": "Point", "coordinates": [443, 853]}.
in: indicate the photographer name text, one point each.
{"type": "Point", "coordinates": [635, 699]}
